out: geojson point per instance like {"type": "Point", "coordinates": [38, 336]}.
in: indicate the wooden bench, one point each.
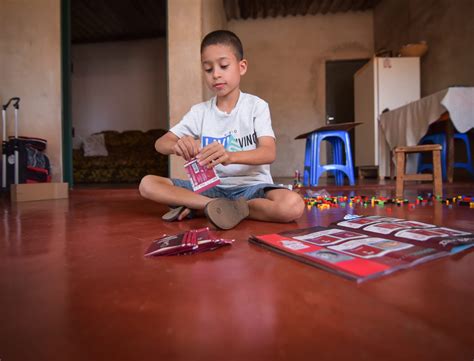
{"type": "Point", "coordinates": [401, 152]}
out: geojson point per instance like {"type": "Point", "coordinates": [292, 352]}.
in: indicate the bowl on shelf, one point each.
{"type": "Point", "coordinates": [414, 50]}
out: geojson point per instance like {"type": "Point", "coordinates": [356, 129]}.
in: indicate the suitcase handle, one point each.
{"type": "Point", "coordinates": [15, 101]}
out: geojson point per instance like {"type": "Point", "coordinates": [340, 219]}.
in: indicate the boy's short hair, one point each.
{"type": "Point", "coordinates": [224, 37]}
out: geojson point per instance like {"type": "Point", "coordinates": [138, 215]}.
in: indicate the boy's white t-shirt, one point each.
{"type": "Point", "coordinates": [238, 130]}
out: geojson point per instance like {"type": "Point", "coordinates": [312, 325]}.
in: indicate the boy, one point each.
{"type": "Point", "coordinates": [231, 132]}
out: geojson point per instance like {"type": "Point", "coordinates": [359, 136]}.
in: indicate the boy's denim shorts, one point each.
{"type": "Point", "coordinates": [247, 192]}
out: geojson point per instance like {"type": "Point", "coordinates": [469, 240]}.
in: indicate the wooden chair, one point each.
{"type": "Point", "coordinates": [401, 152]}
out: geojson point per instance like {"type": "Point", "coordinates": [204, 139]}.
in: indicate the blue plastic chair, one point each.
{"type": "Point", "coordinates": [465, 165]}
{"type": "Point", "coordinates": [440, 138]}
{"type": "Point", "coordinates": [340, 141]}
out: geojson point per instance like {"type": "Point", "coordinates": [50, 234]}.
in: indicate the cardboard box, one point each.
{"type": "Point", "coordinates": [38, 191]}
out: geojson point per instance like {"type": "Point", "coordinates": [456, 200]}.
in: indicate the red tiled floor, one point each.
{"type": "Point", "coordinates": [74, 285]}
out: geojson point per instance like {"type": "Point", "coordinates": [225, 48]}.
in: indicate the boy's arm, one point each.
{"type": "Point", "coordinates": [215, 153]}
{"type": "Point", "coordinates": [186, 147]}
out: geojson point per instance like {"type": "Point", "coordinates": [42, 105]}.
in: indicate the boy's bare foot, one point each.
{"type": "Point", "coordinates": [225, 213]}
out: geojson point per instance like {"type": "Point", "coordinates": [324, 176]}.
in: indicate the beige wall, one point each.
{"type": "Point", "coordinates": [30, 67]}
{"type": "Point", "coordinates": [184, 70]}
{"type": "Point", "coordinates": [213, 18]}
{"type": "Point", "coordinates": [287, 69]}
{"type": "Point", "coordinates": [188, 21]}
{"type": "Point", "coordinates": [119, 86]}
{"type": "Point", "coordinates": [446, 26]}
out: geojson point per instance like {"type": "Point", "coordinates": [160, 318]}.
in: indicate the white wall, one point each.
{"type": "Point", "coordinates": [30, 67]}
{"type": "Point", "coordinates": [287, 69]}
{"type": "Point", "coordinates": [119, 86]}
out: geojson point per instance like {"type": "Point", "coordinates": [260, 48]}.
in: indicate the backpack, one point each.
{"type": "Point", "coordinates": [33, 164]}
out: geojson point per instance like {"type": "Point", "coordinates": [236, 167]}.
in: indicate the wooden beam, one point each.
{"type": "Point", "coordinates": [314, 7]}
{"type": "Point", "coordinates": [326, 6]}
{"type": "Point", "coordinates": [363, 6]}
{"type": "Point", "coordinates": [111, 20]}
{"type": "Point", "coordinates": [157, 9]}
{"type": "Point", "coordinates": [336, 6]}
{"type": "Point", "coordinates": [356, 5]}
{"type": "Point", "coordinates": [244, 9]}
{"type": "Point", "coordinates": [266, 8]}
{"type": "Point", "coordinates": [254, 7]}
{"type": "Point", "coordinates": [229, 9]}
{"type": "Point", "coordinates": [79, 23]}
{"type": "Point", "coordinates": [303, 7]}
{"type": "Point", "coordinates": [112, 38]}
{"type": "Point", "coordinates": [151, 12]}
{"type": "Point", "coordinates": [289, 7]}
{"type": "Point", "coordinates": [284, 8]}
{"type": "Point", "coordinates": [89, 17]}
{"type": "Point", "coordinates": [346, 6]}
{"type": "Point", "coordinates": [113, 15]}
{"type": "Point", "coordinates": [275, 8]}
{"type": "Point", "coordinates": [78, 28]}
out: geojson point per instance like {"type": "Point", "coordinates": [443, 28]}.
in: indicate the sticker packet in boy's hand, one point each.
{"type": "Point", "coordinates": [201, 177]}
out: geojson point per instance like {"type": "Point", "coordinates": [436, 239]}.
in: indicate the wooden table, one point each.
{"type": "Point", "coordinates": [405, 126]}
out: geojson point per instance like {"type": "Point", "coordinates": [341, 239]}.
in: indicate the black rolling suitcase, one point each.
{"type": "Point", "coordinates": [10, 152]}
{"type": "Point", "coordinates": [23, 160]}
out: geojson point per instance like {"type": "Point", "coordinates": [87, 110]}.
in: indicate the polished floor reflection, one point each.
{"type": "Point", "coordinates": [74, 285]}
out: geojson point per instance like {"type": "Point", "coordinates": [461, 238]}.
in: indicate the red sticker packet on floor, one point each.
{"type": "Point", "coordinates": [190, 242]}
{"type": "Point", "coordinates": [201, 177]}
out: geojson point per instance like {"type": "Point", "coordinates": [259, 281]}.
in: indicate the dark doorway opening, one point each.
{"type": "Point", "coordinates": [114, 75]}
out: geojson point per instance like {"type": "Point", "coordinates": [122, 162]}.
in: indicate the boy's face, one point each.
{"type": "Point", "coordinates": [222, 69]}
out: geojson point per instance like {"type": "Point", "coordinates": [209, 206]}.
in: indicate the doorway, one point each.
{"type": "Point", "coordinates": [340, 93]}
{"type": "Point", "coordinates": [114, 88]}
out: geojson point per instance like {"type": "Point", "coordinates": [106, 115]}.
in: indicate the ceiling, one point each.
{"type": "Point", "coordinates": [118, 20]}
{"type": "Point", "coordinates": [245, 9]}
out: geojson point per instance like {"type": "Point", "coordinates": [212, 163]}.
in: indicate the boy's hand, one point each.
{"type": "Point", "coordinates": [187, 147]}
{"type": "Point", "coordinates": [213, 154]}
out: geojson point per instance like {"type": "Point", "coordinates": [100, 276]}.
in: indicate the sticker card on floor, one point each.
{"type": "Point", "coordinates": [426, 234]}
{"type": "Point", "coordinates": [361, 222]}
{"type": "Point", "coordinates": [370, 247]}
{"type": "Point", "coordinates": [416, 224]}
{"type": "Point", "coordinates": [329, 236]}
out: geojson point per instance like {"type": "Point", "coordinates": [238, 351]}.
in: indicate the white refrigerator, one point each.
{"type": "Point", "coordinates": [382, 83]}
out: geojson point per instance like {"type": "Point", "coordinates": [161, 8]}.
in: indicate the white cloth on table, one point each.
{"type": "Point", "coordinates": [405, 126]}
{"type": "Point", "coordinates": [460, 104]}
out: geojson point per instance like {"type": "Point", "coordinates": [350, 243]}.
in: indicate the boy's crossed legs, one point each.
{"type": "Point", "coordinates": [279, 204]}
